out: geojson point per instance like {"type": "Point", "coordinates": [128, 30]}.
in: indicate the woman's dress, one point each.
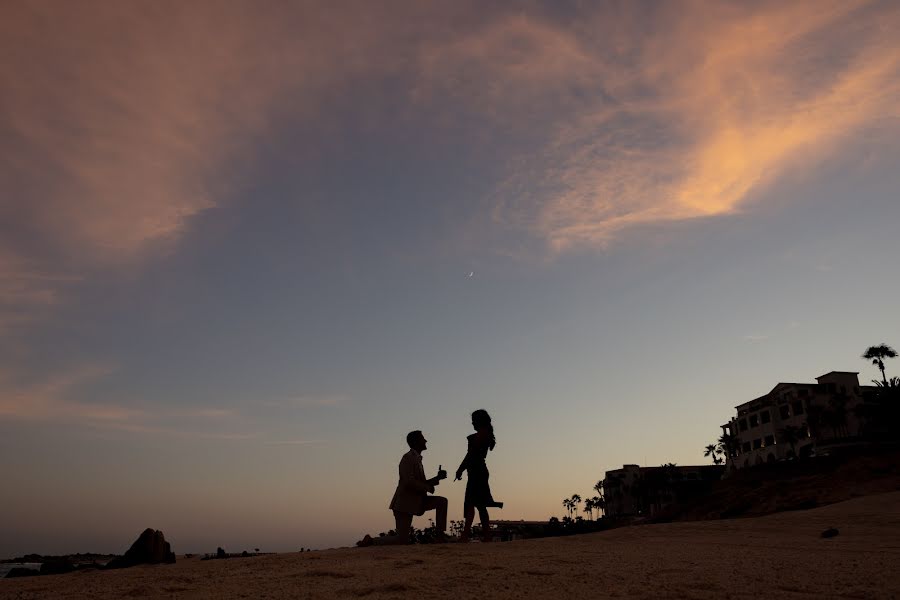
{"type": "Point", "coordinates": [478, 490]}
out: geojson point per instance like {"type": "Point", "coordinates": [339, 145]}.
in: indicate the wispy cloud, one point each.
{"type": "Point", "coordinates": [52, 400]}
{"type": "Point", "coordinates": [123, 123]}
{"type": "Point", "coordinates": [27, 291]}
{"type": "Point", "coordinates": [686, 113]}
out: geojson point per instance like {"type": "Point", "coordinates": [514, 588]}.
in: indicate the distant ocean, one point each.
{"type": "Point", "coordinates": [7, 567]}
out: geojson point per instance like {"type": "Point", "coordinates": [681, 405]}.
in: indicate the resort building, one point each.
{"type": "Point", "coordinates": [794, 419]}
{"type": "Point", "coordinates": [635, 491]}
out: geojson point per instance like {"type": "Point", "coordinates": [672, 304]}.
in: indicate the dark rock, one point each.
{"type": "Point", "coordinates": [830, 532]}
{"type": "Point", "coordinates": [245, 554]}
{"type": "Point", "coordinates": [220, 553]}
{"type": "Point", "coordinates": [150, 548]}
{"type": "Point", "coordinates": [30, 558]}
{"type": "Point", "coordinates": [56, 567]}
{"type": "Point", "coordinates": [21, 572]}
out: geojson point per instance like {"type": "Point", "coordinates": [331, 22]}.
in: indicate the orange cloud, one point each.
{"type": "Point", "coordinates": [121, 123]}
{"type": "Point", "coordinates": [686, 116]}
{"type": "Point", "coordinates": [126, 122]}
{"type": "Point", "coordinates": [122, 117]}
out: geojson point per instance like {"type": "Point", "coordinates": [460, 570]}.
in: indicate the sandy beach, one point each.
{"type": "Point", "coordinates": [776, 556]}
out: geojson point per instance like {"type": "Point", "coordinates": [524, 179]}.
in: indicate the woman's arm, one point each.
{"type": "Point", "coordinates": [464, 465]}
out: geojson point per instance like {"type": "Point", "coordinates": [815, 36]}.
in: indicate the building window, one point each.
{"type": "Point", "coordinates": [764, 416]}
{"type": "Point", "coordinates": [797, 406]}
{"type": "Point", "coordinates": [745, 447]}
{"type": "Point", "coordinates": [770, 440]}
{"type": "Point", "coordinates": [754, 420]}
{"type": "Point", "coordinates": [785, 411]}
{"type": "Point", "coordinates": [757, 443]}
{"type": "Point", "coordinates": [742, 424]}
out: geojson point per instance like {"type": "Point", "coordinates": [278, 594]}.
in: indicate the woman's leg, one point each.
{"type": "Point", "coordinates": [469, 514]}
{"type": "Point", "coordinates": [485, 524]}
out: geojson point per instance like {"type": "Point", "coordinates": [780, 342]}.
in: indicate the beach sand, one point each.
{"type": "Point", "coordinates": [776, 556]}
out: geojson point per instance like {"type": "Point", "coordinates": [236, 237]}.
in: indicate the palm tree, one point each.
{"type": "Point", "coordinates": [791, 435]}
{"type": "Point", "coordinates": [893, 382]}
{"type": "Point", "coordinates": [877, 354]}
{"type": "Point", "coordinates": [598, 487]}
{"type": "Point", "coordinates": [712, 450]}
{"type": "Point", "coordinates": [599, 503]}
{"type": "Point", "coordinates": [576, 500]}
{"type": "Point", "coordinates": [589, 508]}
{"type": "Point", "coordinates": [728, 444]}
{"type": "Point", "coordinates": [567, 504]}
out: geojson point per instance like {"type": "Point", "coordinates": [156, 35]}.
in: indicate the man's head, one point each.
{"type": "Point", "coordinates": [416, 440]}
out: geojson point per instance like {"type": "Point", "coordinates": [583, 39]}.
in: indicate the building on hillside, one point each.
{"type": "Point", "coordinates": [824, 412]}
{"type": "Point", "coordinates": [635, 491]}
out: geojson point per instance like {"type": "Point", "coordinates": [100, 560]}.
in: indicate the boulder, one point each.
{"type": "Point", "coordinates": [220, 553]}
{"type": "Point", "coordinates": [150, 548]}
{"type": "Point", "coordinates": [56, 567]}
{"type": "Point", "coordinates": [21, 572]}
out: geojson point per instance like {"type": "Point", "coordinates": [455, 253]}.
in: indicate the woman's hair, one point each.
{"type": "Point", "coordinates": [482, 422]}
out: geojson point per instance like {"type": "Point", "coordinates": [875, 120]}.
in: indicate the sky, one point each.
{"type": "Point", "coordinates": [245, 248]}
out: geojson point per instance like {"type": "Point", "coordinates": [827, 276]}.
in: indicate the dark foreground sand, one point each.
{"type": "Point", "coordinates": [777, 556]}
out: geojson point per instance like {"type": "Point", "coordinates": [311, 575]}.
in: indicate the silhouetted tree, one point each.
{"type": "Point", "coordinates": [877, 354]}
{"type": "Point", "coordinates": [712, 450]}
{"type": "Point", "coordinates": [567, 504]}
{"type": "Point", "coordinates": [553, 525]}
{"type": "Point", "coordinates": [728, 443]}
{"type": "Point", "coordinates": [599, 504]}
{"type": "Point", "coordinates": [589, 508]}
{"type": "Point", "coordinates": [892, 383]}
{"type": "Point", "coordinates": [576, 500]}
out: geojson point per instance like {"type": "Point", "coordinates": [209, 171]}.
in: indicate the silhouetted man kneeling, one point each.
{"type": "Point", "coordinates": [411, 498]}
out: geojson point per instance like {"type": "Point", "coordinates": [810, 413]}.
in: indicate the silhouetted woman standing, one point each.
{"type": "Point", "coordinates": [478, 490]}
